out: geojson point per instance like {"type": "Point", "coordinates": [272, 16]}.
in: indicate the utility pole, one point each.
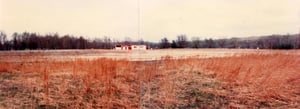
{"type": "Point", "coordinates": [138, 19]}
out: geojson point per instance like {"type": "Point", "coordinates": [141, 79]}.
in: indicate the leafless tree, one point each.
{"type": "Point", "coordinates": [196, 42]}
{"type": "Point", "coordinates": [182, 41]}
{"type": "Point", "coordinates": [164, 43]}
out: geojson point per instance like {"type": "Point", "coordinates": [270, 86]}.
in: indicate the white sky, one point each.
{"type": "Point", "coordinates": [158, 18]}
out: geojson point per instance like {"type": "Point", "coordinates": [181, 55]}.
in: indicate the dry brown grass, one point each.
{"type": "Point", "coordinates": [247, 81]}
{"type": "Point", "coordinates": [267, 79]}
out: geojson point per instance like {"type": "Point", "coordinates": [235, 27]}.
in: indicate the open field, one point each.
{"type": "Point", "coordinates": [64, 55]}
{"type": "Point", "coordinates": [183, 78]}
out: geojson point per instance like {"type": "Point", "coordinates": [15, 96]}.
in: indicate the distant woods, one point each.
{"type": "Point", "coordinates": [263, 42]}
{"type": "Point", "coordinates": [33, 41]}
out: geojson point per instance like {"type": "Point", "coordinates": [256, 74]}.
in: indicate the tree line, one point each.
{"type": "Point", "coordinates": [262, 42]}
{"type": "Point", "coordinates": [34, 41]}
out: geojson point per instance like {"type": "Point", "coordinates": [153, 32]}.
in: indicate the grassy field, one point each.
{"type": "Point", "coordinates": [205, 78]}
{"type": "Point", "coordinates": [142, 55]}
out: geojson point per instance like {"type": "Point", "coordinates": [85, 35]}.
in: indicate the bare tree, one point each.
{"type": "Point", "coordinates": [297, 41]}
{"type": "Point", "coordinates": [182, 41]}
{"type": "Point", "coordinates": [210, 43]}
{"type": "Point", "coordinates": [107, 43]}
{"type": "Point", "coordinates": [164, 43]}
{"type": "Point", "coordinates": [221, 43]}
{"type": "Point", "coordinates": [196, 42]}
{"type": "Point", "coordinates": [2, 40]}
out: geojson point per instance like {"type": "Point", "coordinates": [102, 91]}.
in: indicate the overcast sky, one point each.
{"type": "Point", "coordinates": [158, 18]}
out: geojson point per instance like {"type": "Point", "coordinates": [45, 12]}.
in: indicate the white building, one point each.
{"type": "Point", "coordinates": [122, 47]}
{"type": "Point", "coordinates": [131, 47]}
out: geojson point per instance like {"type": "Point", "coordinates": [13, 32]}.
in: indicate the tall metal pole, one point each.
{"type": "Point", "coordinates": [138, 19]}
